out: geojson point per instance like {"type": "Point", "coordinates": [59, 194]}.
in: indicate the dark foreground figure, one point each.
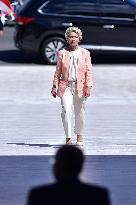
{"type": "Point", "coordinates": [68, 189]}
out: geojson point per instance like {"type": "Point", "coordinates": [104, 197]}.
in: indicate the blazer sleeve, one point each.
{"type": "Point", "coordinates": [89, 80]}
{"type": "Point", "coordinates": [58, 71]}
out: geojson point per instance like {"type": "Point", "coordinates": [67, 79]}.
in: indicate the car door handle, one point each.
{"type": "Point", "coordinates": [67, 24]}
{"type": "Point", "coordinates": [109, 26]}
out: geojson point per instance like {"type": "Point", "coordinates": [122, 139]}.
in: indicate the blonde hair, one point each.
{"type": "Point", "coordinates": [73, 29]}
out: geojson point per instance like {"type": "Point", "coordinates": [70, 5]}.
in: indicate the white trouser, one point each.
{"type": "Point", "coordinates": [70, 99]}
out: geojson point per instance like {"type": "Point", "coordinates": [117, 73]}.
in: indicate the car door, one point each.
{"type": "Point", "coordinates": [119, 25]}
{"type": "Point", "coordinates": [85, 15]}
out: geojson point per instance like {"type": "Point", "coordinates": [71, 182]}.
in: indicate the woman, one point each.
{"type": "Point", "coordinates": [73, 82]}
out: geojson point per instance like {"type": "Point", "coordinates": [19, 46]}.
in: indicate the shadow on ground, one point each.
{"type": "Point", "coordinates": [20, 57]}
{"type": "Point", "coordinates": [113, 58]}
{"type": "Point", "coordinates": [35, 145]}
{"type": "Point", "coordinates": [20, 173]}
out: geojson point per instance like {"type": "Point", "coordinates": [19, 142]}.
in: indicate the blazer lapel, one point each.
{"type": "Point", "coordinates": [67, 63]}
{"type": "Point", "coordinates": [79, 62]}
{"type": "Point", "coordinates": [67, 58]}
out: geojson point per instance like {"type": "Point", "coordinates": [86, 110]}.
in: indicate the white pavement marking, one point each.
{"type": "Point", "coordinates": [30, 122]}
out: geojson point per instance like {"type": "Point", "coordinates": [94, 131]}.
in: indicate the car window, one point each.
{"type": "Point", "coordinates": [112, 1]}
{"type": "Point", "coordinates": [53, 6]}
{"type": "Point", "coordinates": [117, 9]}
{"type": "Point", "coordinates": [81, 7]}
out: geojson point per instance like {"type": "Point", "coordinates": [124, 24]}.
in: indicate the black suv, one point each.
{"type": "Point", "coordinates": [108, 25]}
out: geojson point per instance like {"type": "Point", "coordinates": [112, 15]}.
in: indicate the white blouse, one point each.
{"type": "Point", "coordinates": [73, 65]}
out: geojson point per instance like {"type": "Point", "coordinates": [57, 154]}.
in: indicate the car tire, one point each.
{"type": "Point", "coordinates": [50, 47]}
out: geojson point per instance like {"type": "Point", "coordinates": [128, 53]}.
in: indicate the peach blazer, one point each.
{"type": "Point", "coordinates": [83, 72]}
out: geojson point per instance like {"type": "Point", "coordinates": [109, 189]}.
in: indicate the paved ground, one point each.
{"type": "Point", "coordinates": [30, 122]}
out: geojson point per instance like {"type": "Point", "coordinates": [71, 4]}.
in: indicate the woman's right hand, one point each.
{"type": "Point", "coordinates": [53, 92]}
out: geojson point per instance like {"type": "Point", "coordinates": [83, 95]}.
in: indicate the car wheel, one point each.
{"type": "Point", "coordinates": [50, 48]}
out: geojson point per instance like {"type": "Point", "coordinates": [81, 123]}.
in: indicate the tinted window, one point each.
{"type": "Point", "coordinates": [53, 6]}
{"type": "Point", "coordinates": [81, 7]}
{"type": "Point", "coordinates": [112, 1]}
{"type": "Point", "coordinates": [117, 9]}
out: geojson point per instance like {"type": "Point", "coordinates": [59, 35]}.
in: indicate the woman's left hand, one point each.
{"type": "Point", "coordinates": [87, 92]}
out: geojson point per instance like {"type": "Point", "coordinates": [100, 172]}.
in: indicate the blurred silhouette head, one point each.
{"type": "Point", "coordinates": [68, 162]}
